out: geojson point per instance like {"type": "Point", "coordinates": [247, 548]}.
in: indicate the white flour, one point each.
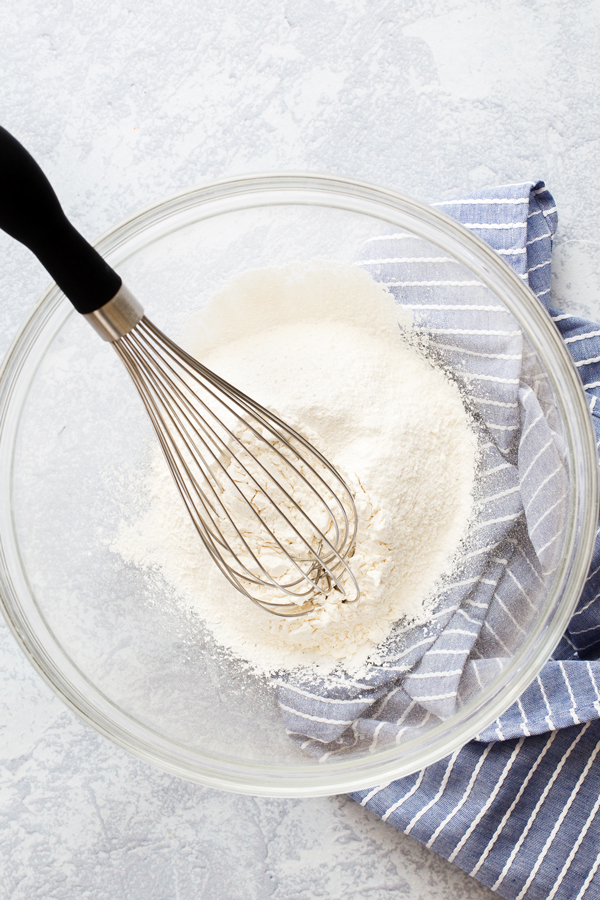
{"type": "Point", "coordinates": [321, 344]}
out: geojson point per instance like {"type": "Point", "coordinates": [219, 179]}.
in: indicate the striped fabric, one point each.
{"type": "Point", "coordinates": [515, 808]}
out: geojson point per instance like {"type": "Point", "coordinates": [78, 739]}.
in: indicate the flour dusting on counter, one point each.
{"type": "Point", "coordinates": [327, 348]}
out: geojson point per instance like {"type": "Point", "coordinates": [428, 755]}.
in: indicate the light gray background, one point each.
{"type": "Point", "coordinates": [126, 101]}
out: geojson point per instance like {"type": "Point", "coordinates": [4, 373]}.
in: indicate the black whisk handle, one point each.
{"type": "Point", "coordinates": [31, 213]}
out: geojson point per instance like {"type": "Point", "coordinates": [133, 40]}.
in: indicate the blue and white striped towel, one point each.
{"type": "Point", "coordinates": [516, 808]}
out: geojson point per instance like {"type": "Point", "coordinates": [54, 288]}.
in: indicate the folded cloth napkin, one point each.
{"type": "Point", "coordinates": [516, 807]}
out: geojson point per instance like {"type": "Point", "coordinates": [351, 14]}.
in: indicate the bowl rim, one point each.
{"type": "Point", "coordinates": [244, 191]}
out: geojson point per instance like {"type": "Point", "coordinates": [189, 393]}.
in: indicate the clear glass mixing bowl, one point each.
{"type": "Point", "coordinates": [73, 432]}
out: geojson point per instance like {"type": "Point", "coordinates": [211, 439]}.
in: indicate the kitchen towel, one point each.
{"type": "Point", "coordinates": [482, 612]}
{"type": "Point", "coordinates": [516, 807]}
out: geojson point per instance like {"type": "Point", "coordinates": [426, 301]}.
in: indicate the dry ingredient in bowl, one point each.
{"type": "Point", "coordinates": [328, 349]}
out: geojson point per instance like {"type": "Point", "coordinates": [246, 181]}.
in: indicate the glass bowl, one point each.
{"type": "Point", "coordinates": [122, 654]}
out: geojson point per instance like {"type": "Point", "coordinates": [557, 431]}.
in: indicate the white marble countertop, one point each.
{"type": "Point", "coordinates": [124, 103]}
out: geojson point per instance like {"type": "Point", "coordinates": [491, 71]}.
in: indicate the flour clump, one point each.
{"type": "Point", "coordinates": [331, 352]}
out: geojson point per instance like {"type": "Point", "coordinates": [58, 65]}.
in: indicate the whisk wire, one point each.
{"type": "Point", "coordinates": [246, 573]}
{"type": "Point", "coordinates": [207, 430]}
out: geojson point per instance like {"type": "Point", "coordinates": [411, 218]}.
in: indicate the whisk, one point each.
{"type": "Point", "coordinates": [274, 514]}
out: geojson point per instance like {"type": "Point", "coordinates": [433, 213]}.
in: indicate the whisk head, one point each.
{"type": "Point", "coordinates": [273, 513]}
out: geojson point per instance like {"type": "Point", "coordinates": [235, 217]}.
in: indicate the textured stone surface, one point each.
{"type": "Point", "coordinates": [126, 102]}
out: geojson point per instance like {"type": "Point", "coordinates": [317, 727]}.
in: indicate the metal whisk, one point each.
{"type": "Point", "coordinates": [274, 514]}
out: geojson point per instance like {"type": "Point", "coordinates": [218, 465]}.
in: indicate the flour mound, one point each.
{"type": "Point", "coordinates": [321, 343]}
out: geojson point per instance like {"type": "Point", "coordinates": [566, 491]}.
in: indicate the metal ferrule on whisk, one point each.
{"type": "Point", "coordinates": [117, 317]}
